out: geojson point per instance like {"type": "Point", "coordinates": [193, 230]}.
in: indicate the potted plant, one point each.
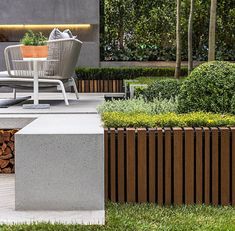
{"type": "Point", "coordinates": [34, 45]}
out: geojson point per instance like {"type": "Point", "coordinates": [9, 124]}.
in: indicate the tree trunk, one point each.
{"type": "Point", "coordinates": [121, 38]}
{"type": "Point", "coordinates": [211, 52]}
{"type": "Point", "coordinates": [121, 25]}
{"type": "Point", "coordinates": [178, 40]}
{"type": "Point", "coordinates": [190, 38]}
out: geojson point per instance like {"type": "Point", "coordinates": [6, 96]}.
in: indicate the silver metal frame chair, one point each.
{"type": "Point", "coordinates": [63, 54]}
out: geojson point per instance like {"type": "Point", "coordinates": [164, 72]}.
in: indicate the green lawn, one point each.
{"type": "Point", "coordinates": [150, 80]}
{"type": "Point", "coordinates": [146, 80]}
{"type": "Point", "coordinates": [150, 217]}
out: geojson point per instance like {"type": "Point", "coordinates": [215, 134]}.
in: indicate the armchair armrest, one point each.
{"type": "Point", "coordinates": [12, 53]}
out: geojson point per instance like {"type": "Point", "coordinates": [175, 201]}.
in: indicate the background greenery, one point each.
{"type": "Point", "coordinates": [145, 30]}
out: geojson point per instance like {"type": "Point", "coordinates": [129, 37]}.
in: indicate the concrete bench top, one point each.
{"type": "Point", "coordinates": [64, 124]}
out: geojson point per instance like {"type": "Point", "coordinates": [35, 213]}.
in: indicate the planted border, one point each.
{"type": "Point", "coordinates": [170, 166]}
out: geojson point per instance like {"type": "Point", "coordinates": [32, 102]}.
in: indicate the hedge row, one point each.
{"type": "Point", "coordinates": [125, 73]}
{"type": "Point", "coordinates": [195, 119]}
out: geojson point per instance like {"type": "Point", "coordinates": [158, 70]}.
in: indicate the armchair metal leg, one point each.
{"type": "Point", "coordinates": [64, 93]}
{"type": "Point", "coordinates": [75, 88]}
{"type": "Point", "coordinates": [14, 93]}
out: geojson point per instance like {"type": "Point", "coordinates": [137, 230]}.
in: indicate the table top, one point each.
{"type": "Point", "coordinates": [34, 59]}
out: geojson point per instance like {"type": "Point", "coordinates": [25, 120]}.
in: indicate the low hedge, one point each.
{"type": "Point", "coordinates": [167, 88]}
{"type": "Point", "coordinates": [195, 119]}
{"type": "Point", "coordinates": [125, 73]}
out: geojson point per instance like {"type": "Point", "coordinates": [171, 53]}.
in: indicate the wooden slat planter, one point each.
{"type": "Point", "coordinates": [170, 166]}
{"type": "Point", "coordinates": [96, 86]}
{"type": "Point", "coordinates": [7, 162]}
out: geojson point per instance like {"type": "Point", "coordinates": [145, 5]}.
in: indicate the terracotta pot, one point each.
{"type": "Point", "coordinates": [34, 51]}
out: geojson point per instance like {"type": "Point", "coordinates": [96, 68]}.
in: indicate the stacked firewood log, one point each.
{"type": "Point", "coordinates": [7, 151]}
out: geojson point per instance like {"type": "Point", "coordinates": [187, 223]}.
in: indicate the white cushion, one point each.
{"type": "Point", "coordinates": [57, 34]}
{"type": "Point", "coordinates": [68, 31]}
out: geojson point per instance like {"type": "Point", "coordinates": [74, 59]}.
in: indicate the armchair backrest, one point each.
{"type": "Point", "coordinates": [66, 51]}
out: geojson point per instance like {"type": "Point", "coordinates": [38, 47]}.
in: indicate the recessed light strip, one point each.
{"type": "Point", "coordinates": [44, 26]}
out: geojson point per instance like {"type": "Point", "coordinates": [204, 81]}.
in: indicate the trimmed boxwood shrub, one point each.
{"type": "Point", "coordinates": [166, 88]}
{"type": "Point", "coordinates": [125, 73]}
{"type": "Point", "coordinates": [194, 119]}
{"type": "Point", "coordinates": [210, 88]}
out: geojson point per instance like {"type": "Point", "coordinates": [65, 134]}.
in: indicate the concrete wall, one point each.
{"type": "Point", "coordinates": [56, 12]}
{"type": "Point", "coordinates": [49, 12]}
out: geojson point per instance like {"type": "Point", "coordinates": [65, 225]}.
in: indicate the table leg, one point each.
{"type": "Point", "coordinates": [36, 104]}
{"type": "Point", "coordinates": [35, 82]}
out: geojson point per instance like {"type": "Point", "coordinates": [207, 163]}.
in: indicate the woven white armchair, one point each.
{"type": "Point", "coordinates": [51, 74]}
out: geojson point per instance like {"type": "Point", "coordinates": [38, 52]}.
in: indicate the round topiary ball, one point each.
{"type": "Point", "coordinates": [210, 88]}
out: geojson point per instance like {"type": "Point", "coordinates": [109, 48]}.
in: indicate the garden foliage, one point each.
{"type": "Point", "coordinates": [138, 120]}
{"type": "Point", "coordinates": [209, 88]}
{"type": "Point", "coordinates": [139, 105]}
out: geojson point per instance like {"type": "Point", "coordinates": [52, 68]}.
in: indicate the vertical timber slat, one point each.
{"type": "Point", "coordinates": [152, 166]}
{"type": "Point", "coordinates": [142, 166]}
{"type": "Point", "coordinates": [91, 86]}
{"type": "Point", "coordinates": [189, 166]}
{"type": "Point", "coordinates": [207, 166]}
{"type": "Point", "coordinates": [106, 153]}
{"type": "Point", "coordinates": [113, 164]}
{"type": "Point", "coordinates": [83, 85]}
{"type": "Point", "coordinates": [95, 85]}
{"type": "Point", "coordinates": [233, 165]}
{"type": "Point", "coordinates": [225, 167]}
{"type": "Point", "coordinates": [215, 166]}
{"type": "Point", "coordinates": [168, 165]}
{"type": "Point", "coordinates": [178, 166]}
{"type": "Point", "coordinates": [131, 170]}
{"type": "Point", "coordinates": [160, 166]}
{"type": "Point", "coordinates": [199, 170]}
{"type": "Point", "coordinates": [121, 167]}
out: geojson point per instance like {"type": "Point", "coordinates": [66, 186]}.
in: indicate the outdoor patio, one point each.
{"type": "Point", "coordinates": [87, 103]}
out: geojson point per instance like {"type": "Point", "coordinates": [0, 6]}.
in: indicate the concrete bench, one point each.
{"type": "Point", "coordinates": [60, 164]}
